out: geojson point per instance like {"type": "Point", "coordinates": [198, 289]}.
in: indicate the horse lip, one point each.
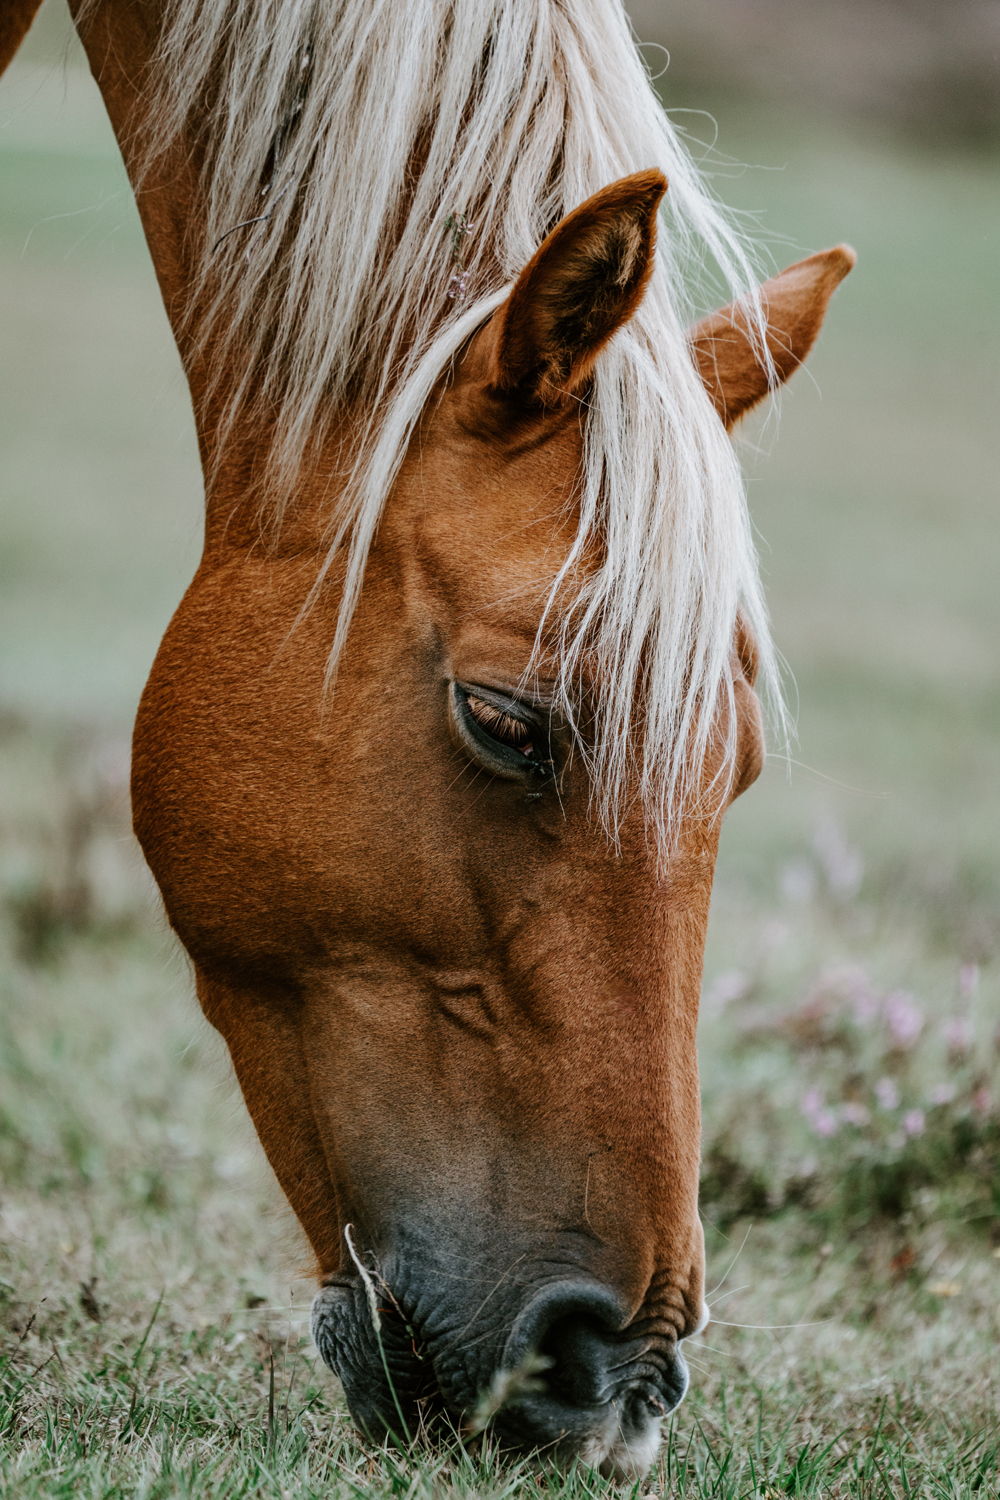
{"type": "Point", "coordinates": [349, 1343]}
{"type": "Point", "coordinates": [339, 1283]}
{"type": "Point", "coordinates": [331, 1297]}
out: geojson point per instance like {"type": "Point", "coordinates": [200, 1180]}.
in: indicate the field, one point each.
{"type": "Point", "coordinates": [153, 1294]}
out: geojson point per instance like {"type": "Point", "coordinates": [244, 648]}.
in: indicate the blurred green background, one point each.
{"type": "Point", "coordinates": [99, 484]}
{"type": "Point", "coordinates": [875, 491]}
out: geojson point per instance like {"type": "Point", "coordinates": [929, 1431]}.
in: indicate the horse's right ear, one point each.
{"type": "Point", "coordinates": [795, 305]}
{"type": "Point", "coordinates": [585, 280]}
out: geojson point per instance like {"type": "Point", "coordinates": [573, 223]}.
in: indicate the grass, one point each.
{"type": "Point", "coordinates": [153, 1293]}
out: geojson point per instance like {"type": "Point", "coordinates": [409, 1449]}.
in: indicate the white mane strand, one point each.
{"type": "Point", "coordinates": [350, 130]}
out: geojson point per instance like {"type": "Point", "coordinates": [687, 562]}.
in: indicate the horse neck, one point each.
{"type": "Point", "coordinates": [120, 38]}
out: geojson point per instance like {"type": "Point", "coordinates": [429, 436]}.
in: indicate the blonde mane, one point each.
{"type": "Point", "coordinates": [348, 140]}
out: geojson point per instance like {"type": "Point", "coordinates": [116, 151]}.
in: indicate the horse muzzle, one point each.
{"type": "Point", "coordinates": [563, 1375]}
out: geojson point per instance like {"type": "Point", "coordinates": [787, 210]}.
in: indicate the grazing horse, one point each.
{"type": "Point", "coordinates": [431, 762]}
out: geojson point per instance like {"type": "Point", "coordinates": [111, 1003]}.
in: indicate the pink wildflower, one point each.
{"type": "Point", "coordinates": [865, 1006]}
{"type": "Point", "coordinates": [798, 882]}
{"type": "Point", "coordinates": [982, 1100]}
{"type": "Point", "coordinates": [903, 1018]}
{"type": "Point", "coordinates": [724, 989]}
{"type": "Point", "coordinates": [856, 987]}
{"type": "Point", "coordinates": [913, 1122]}
{"type": "Point", "coordinates": [774, 934]}
{"type": "Point", "coordinates": [826, 1122]}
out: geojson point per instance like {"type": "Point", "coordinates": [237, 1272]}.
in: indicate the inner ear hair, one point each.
{"type": "Point", "coordinates": [584, 282]}
{"type": "Point", "coordinates": [795, 304]}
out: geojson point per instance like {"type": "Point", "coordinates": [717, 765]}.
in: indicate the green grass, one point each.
{"type": "Point", "coordinates": [149, 1272]}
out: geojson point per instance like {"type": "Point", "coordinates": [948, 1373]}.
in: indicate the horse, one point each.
{"type": "Point", "coordinates": [431, 762]}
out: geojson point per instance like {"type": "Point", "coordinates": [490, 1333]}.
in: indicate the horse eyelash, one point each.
{"type": "Point", "coordinates": [502, 726]}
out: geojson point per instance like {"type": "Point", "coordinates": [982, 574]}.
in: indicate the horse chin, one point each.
{"type": "Point", "coordinates": [628, 1457]}
{"type": "Point", "coordinates": [636, 1444]}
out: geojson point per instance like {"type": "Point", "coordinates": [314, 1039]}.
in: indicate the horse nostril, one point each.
{"type": "Point", "coordinates": [582, 1355]}
{"type": "Point", "coordinates": [558, 1318]}
{"type": "Point", "coordinates": [594, 1358]}
{"type": "Point", "coordinates": [578, 1328]}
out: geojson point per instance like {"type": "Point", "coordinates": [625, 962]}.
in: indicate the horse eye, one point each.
{"type": "Point", "coordinates": [500, 733]}
{"type": "Point", "coordinates": [500, 725]}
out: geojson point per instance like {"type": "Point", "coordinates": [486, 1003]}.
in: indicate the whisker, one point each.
{"type": "Point", "coordinates": [822, 776]}
{"type": "Point", "coordinates": [469, 809]}
{"type": "Point", "coordinates": [448, 1347]}
{"type": "Point", "coordinates": [459, 777]}
{"type": "Point", "coordinates": [735, 1289]}
{"type": "Point", "coordinates": [731, 1264]}
{"type": "Point", "coordinates": [729, 1353]}
{"type": "Point", "coordinates": [771, 1327]}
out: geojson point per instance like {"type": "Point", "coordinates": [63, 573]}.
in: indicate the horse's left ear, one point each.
{"type": "Point", "coordinates": [795, 304]}
{"type": "Point", "coordinates": [585, 280]}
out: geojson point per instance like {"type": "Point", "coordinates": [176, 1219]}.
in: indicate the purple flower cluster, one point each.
{"type": "Point", "coordinates": [878, 1034]}
{"type": "Point", "coordinates": [826, 1120]}
{"type": "Point", "coordinates": [903, 1018]}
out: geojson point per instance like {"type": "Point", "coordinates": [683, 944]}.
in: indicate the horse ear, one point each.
{"type": "Point", "coordinates": [585, 280]}
{"type": "Point", "coordinates": [795, 304]}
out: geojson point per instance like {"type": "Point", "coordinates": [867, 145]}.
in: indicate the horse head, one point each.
{"type": "Point", "coordinates": [462, 1015]}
